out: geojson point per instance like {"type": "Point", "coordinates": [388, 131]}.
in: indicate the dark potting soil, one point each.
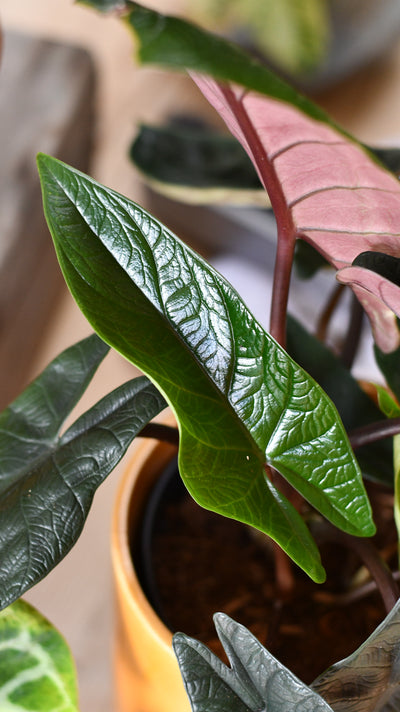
{"type": "Point", "coordinates": [202, 563]}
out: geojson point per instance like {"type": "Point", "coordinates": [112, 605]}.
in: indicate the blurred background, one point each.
{"type": "Point", "coordinates": [364, 98]}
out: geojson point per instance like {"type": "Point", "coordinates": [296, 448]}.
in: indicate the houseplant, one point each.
{"type": "Point", "coordinates": [162, 306]}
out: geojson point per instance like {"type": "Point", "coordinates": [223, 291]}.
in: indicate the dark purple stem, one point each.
{"type": "Point", "coordinates": [373, 432]}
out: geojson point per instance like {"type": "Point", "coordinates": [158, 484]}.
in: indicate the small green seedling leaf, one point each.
{"type": "Point", "coordinates": [368, 680]}
{"type": "Point", "coordinates": [48, 481]}
{"type": "Point", "coordinates": [240, 401]}
{"type": "Point", "coordinates": [255, 681]}
{"type": "Point", "coordinates": [37, 672]}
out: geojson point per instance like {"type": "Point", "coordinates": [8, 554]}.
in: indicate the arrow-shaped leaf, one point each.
{"type": "Point", "coordinates": [368, 680]}
{"type": "Point", "coordinates": [47, 481]}
{"type": "Point", "coordinates": [37, 672]}
{"type": "Point", "coordinates": [323, 188]}
{"type": "Point", "coordinates": [240, 401]}
{"type": "Point", "coordinates": [255, 681]}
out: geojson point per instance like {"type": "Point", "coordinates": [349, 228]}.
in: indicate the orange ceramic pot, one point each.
{"type": "Point", "coordinates": [147, 675]}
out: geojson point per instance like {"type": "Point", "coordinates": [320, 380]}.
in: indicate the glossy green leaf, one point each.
{"type": "Point", "coordinates": [355, 408]}
{"type": "Point", "coordinates": [48, 481]}
{"type": "Point", "coordinates": [240, 401]}
{"type": "Point", "coordinates": [368, 680]}
{"type": "Point", "coordinates": [192, 164]}
{"type": "Point", "coordinates": [37, 672]}
{"type": "Point", "coordinates": [254, 681]}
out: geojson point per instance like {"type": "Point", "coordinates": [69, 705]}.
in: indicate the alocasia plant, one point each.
{"type": "Point", "coordinates": [249, 417]}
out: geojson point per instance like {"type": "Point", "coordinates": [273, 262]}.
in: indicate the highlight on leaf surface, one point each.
{"type": "Point", "coordinates": [240, 400]}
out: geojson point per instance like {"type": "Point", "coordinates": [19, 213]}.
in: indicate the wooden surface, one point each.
{"type": "Point", "coordinates": [47, 92]}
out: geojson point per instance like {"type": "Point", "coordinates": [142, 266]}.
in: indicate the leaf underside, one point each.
{"type": "Point", "coordinates": [48, 481]}
{"type": "Point", "coordinates": [344, 203]}
{"type": "Point", "coordinates": [240, 401]}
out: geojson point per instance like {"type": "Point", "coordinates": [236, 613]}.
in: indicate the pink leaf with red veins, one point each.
{"type": "Point", "coordinates": [325, 189]}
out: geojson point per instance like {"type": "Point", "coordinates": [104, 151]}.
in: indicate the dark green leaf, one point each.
{"type": "Point", "coordinates": [240, 401]}
{"type": "Point", "coordinates": [37, 672]}
{"type": "Point", "coordinates": [48, 482]}
{"type": "Point", "coordinates": [30, 425]}
{"type": "Point", "coordinates": [381, 263]}
{"type": "Point", "coordinates": [307, 260]}
{"type": "Point", "coordinates": [355, 408]}
{"type": "Point", "coordinates": [255, 681]}
{"type": "Point", "coordinates": [368, 680]}
{"type": "Point", "coordinates": [390, 157]}
{"type": "Point", "coordinates": [192, 163]}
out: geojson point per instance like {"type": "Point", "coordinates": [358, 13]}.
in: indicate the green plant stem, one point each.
{"type": "Point", "coordinates": [373, 432]}
{"type": "Point", "coordinates": [158, 431]}
{"type": "Point", "coordinates": [285, 226]}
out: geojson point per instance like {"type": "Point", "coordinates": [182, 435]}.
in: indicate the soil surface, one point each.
{"type": "Point", "coordinates": [205, 563]}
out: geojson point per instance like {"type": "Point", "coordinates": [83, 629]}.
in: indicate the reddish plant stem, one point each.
{"type": "Point", "coordinates": [280, 290]}
{"type": "Point", "coordinates": [373, 432]}
{"type": "Point", "coordinates": [285, 226]}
